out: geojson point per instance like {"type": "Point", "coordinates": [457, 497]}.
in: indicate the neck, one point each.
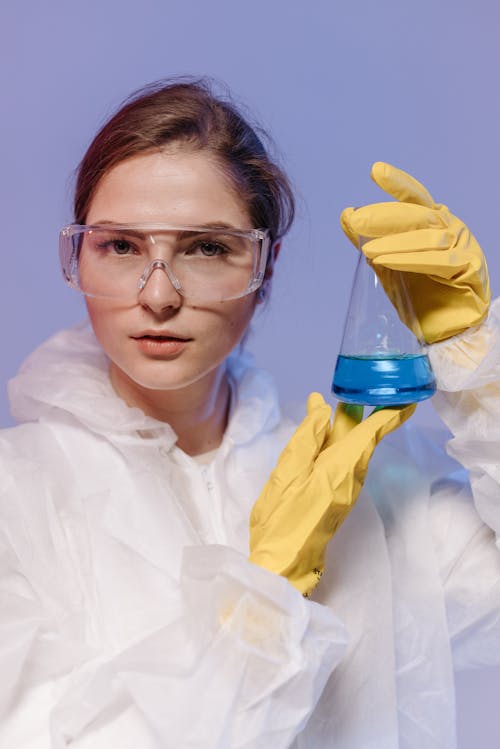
{"type": "Point", "coordinates": [198, 413]}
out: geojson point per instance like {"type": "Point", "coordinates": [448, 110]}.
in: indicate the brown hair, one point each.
{"type": "Point", "coordinates": [186, 111]}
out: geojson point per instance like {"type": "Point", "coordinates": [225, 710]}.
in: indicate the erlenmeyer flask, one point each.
{"type": "Point", "coordinates": [381, 361]}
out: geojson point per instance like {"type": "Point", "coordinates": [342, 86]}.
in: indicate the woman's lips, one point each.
{"type": "Point", "coordinates": [161, 346]}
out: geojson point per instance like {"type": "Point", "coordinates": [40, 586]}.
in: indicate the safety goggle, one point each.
{"type": "Point", "coordinates": [204, 264]}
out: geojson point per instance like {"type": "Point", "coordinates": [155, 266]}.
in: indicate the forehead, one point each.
{"type": "Point", "coordinates": [169, 186]}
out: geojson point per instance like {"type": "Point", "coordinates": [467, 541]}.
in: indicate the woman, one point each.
{"type": "Point", "coordinates": [132, 615]}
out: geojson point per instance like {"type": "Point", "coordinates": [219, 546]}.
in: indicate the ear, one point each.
{"type": "Point", "coordinates": [263, 291]}
{"type": "Point", "coordinates": [273, 256]}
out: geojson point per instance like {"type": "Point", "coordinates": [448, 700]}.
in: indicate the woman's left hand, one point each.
{"type": "Point", "coordinates": [314, 486]}
{"type": "Point", "coordinates": [444, 267]}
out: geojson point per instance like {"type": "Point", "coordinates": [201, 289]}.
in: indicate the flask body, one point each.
{"type": "Point", "coordinates": [381, 361]}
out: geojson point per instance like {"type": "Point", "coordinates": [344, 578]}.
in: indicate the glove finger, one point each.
{"type": "Point", "coordinates": [354, 451]}
{"type": "Point", "coordinates": [345, 223]}
{"type": "Point", "coordinates": [314, 400]}
{"type": "Point", "coordinates": [381, 219]}
{"type": "Point", "coordinates": [380, 423]}
{"type": "Point", "coordinates": [447, 266]}
{"type": "Point", "coordinates": [386, 420]}
{"type": "Point", "coordinates": [297, 459]}
{"type": "Point", "coordinates": [415, 242]}
{"type": "Point", "coordinates": [346, 417]}
{"type": "Point", "coordinates": [400, 184]}
{"type": "Point", "coordinates": [425, 251]}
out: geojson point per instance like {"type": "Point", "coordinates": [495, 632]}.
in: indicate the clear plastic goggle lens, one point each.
{"type": "Point", "coordinates": [116, 262]}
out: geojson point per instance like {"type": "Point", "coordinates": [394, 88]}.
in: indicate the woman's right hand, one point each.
{"type": "Point", "coordinates": [315, 484]}
{"type": "Point", "coordinates": [443, 265]}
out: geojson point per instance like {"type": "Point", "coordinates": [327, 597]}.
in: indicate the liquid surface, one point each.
{"type": "Point", "coordinates": [383, 381]}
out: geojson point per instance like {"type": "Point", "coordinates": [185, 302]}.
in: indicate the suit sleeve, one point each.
{"type": "Point", "coordinates": [241, 664]}
{"type": "Point", "coordinates": [466, 506]}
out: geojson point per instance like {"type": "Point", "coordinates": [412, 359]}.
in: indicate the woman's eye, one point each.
{"type": "Point", "coordinates": [118, 246]}
{"type": "Point", "coordinates": [209, 249]}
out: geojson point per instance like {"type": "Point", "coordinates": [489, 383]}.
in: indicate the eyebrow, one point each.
{"type": "Point", "coordinates": [210, 225]}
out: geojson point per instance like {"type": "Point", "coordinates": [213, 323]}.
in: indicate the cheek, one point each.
{"type": "Point", "coordinates": [99, 316]}
{"type": "Point", "coordinates": [103, 319]}
{"type": "Point", "coordinates": [234, 319]}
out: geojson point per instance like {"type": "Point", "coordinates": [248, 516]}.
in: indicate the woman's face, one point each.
{"type": "Point", "coordinates": [180, 188]}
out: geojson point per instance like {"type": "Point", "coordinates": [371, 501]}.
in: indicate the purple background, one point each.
{"type": "Point", "coordinates": [338, 84]}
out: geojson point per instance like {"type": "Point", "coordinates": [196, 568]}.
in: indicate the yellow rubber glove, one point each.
{"type": "Point", "coordinates": [445, 269]}
{"type": "Point", "coordinates": [314, 486]}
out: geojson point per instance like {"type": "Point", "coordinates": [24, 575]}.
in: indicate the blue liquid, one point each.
{"type": "Point", "coordinates": [383, 380]}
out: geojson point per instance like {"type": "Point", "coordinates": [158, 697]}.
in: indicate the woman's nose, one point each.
{"type": "Point", "coordinates": [157, 289]}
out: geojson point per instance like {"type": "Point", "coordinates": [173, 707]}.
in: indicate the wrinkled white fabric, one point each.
{"type": "Point", "coordinates": [131, 616]}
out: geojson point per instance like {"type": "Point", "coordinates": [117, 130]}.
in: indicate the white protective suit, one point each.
{"type": "Point", "coordinates": [131, 618]}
